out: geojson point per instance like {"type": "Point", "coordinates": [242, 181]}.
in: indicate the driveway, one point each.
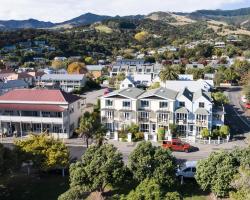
{"type": "Point", "coordinates": [236, 116]}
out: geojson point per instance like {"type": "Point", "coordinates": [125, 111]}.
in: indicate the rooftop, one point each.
{"type": "Point", "coordinates": [59, 77]}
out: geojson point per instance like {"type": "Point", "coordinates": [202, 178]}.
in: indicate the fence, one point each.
{"type": "Point", "coordinates": [206, 141]}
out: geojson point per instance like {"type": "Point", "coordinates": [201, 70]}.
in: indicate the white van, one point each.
{"type": "Point", "coordinates": [187, 170]}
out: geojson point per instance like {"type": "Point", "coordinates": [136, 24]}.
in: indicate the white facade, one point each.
{"type": "Point", "coordinates": [158, 108]}
{"type": "Point", "coordinates": [21, 116]}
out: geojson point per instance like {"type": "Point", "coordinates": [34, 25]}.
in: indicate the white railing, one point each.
{"type": "Point", "coordinates": [206, 141]}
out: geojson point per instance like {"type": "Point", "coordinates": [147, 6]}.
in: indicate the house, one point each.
{"type": "Point", "coordinates": [60, 58]}
{"type": "Point", "coordinates": [95, 70]}
{"type": "Point", "coordinates": [128, 82]}
{"type": "Point", "coordinates": [40, 42]}
{"type": "Point", "coordinates": [11, 85]}
{"type": "Point", "coordinates": [194, 66]}
{"type": "Point", "coordinates": [17, 76]}
{"type": "Point", "coordinates": [66, 82]}
{"type": "Point", "coordinates": [157, 109]}
{"type": "Point", "coordinates": [219, 44]}
{"type": "Point", "coordinates": [37, 76]}
{"type": "Point", "coordinates": [130, 62]}
{"type": "Point", "coordinates": [185, 77]}
{"type": "Point", "coordinates": [23, 111]}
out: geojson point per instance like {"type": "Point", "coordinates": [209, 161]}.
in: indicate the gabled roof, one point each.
{"type": "Point", "coordinates": [13, 84]}
{"type": "Point", "coordinates": [182, 110]}
{"type": "Point", "coordinates": [160, 92]}
{"type": "Point", "coordinates": [131, 93]}
{"type": "Point", "coordinates": [39, 95]}
{"type": "Point", "coordinates": [202, 93]}
{"type": "Point", "coordinates": [185, 92]}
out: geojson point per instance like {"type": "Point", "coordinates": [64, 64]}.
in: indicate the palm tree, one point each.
{"type": "Point", "coordinates": [99, 135]}
{"type": "Point", "coordinates": [168, 73]}
{"type": "Point", "coordinates": [86, 127]}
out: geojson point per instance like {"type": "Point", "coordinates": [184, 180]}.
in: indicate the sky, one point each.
{"type": "Point", "coordinates": [61, 10]}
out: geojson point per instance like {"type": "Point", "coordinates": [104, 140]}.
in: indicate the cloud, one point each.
{"type": "Point", "coordinates": [61, 10]}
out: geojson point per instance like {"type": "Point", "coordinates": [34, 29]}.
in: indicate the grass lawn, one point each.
{"type": "Point", "coordinates": [23, 187]}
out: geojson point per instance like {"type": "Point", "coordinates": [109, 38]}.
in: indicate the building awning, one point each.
{"type": "Point", "coordinates": [182, 110]}
{"type": "Point", "coordinates": [201, 111]}
{"type": "Point", "coordinates": [31, 107]}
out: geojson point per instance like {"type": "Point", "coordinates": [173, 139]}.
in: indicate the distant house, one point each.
{"type": "Point", "coordinates": [11, 85]}
{"type": "Point", "coordinates": [27, 44]}
{"type": "Point", "coordinates": [130, 62]}
{"type": "Point", "coordinates": [39, 42]}
{"type": "Point", "coordinates": [127, 83]}
{"type": "Point", "coordinates": [95, 70]}
{"type": "Point", "coordinates": [209, 76]}
{"type": "Point", "coordinates": [66, 82]}
{"type": "Point", "coordinates": [37, 76]}
{"type": "Point", "coordinates": [60, 58]}
{"type": "Point", "coordinates": [185, 77]}
{"type": "Point", "coordinates": [17, 76]}
{"type": "Point", "coordinates": [194, 66]}
{"type": "Point", "coordinates": [219, 44]}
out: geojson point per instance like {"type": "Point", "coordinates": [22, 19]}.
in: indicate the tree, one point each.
{"type": "Point", "coordinates": [247, 92]}
{"type": "Point", "coordinates": [241, 183]}
{"type": "Point", "coordinates": [58, 64]}
{"type": "Point", "coordinates": [147, 161]}
{"type": "Point", "coordinates": [230, 75]}
{"type": "Point", "coordinates": [224, 131]}
{"type": "Point", "coordinates": [173, 196]}
{"type": "Point", "coordinates": [8, 160]}
{"type": "Point", "coordinates": [220, 98]}
{"type": "Point", "coordinates": [99, 167]}
{"type": "Point", "coordinates": [45, 152]}
{"type": "Point", "coordinates": [142, 36]}
{"type": "Point", "coordinates": [168, 73]}
{"type": "Point", "coordinates": [205, 133]}
{"type": "Point", "coordinates": [87, 127]}
{"type": "Point", "coordinates": [154, 86]}
{"type": "Point", "coordinates": [76, 68]}
{"type": "Point", "coordinates": [216, 172]}
{"type": "Point", "coordinates": [100, 135]}
{"type": "Point", "coordinates": [148, 189]}
{"type": "Point", "coordinates": [89, 61]}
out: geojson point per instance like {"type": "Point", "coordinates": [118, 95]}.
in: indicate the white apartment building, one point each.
{"type": "Point", "coordinates": [153, 109]}
{"type": "Point", "coordinates": [66, 82]}
{"type": "Point", "coordinates": [23, 111]}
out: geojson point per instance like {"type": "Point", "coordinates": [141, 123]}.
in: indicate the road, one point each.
{"type": "Point", "coordinates": [236, 117]}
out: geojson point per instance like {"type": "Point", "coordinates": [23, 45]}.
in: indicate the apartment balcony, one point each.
{"type": "Point", "coordinates": [181, 121]}
{"type": "Point", "coordinates": [202, 123]}
{"type": "Point", "coordinates": [33, 119]}
{"type": "Point", "coordinates": [143, 120]}
{"type": "Point", "coordinates": [162, 121]}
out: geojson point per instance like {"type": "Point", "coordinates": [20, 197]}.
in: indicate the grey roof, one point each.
{"type": "Point", "coordinates": [200, 93]}
{"type": "Point", "coordinates": [201, 111]}
{"type": "Point", "coordinates": [182, 110]}
{"type": "Point", "coordinates": [13, 84]}
{"type": "Point", "coordinates": [187, 93]}
{"type": "Point", "coordinates": [61, 77]}
{"type": "Point", "coordinates": [160, 92]}
{"type": "Point", "coordinates": [95, 67]}
{"type": "Point", "coordinates": [132, 93]}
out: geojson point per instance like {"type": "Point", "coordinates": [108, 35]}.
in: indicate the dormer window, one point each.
{"type": "Point", "coordinates": [201, 105]}
{"type": "Point", "coordinates": [182, 104]}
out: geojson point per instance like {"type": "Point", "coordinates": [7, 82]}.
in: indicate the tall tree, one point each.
{"type": "Point", "coordinates": [168, 73]}
{"type": "Point", "coordinates": [99, 167]}
{"type": "Point", "coordinates": [147, 161]}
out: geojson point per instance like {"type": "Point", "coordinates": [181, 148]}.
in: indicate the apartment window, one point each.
{"type": "Point", "coordinates": [163, 104]}
{"type": "Point", "coordinates": [181, 116]}
{"type": "Point", "coordinates": [109, 102]}
{"type": "Point", "coordinates": [144, 115]}
{"type": "Point", "coordinates": [182, 104]}
{"type": "Point", "coordinates": [144, 127]}
{"type": "Point", "coordinates": [163, 117]}
{"type": "Point", "coordinates": [109, 126]}
{"type": "Point", "coordinates": [126, 104]}
{"type": "Point", "coordinates": [144, 104]}
{"type": "Point", "coordinates": [130, 85]}
{"type": "Point", "coordinates": [109, 114]}
{"type": "Point", "coordinates": [201, 117]}
{"type": "Point", "coordinates": [127, 116]}
{"type": "Point", "coordinates": [201, 104]}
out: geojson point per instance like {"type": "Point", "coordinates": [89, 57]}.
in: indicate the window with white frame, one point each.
{"type": "Point", "coordinates": [127, 116]}
{"type": "Point", "coordinates": [201, 117]}
{"type": "Point", "coordinates": [163, 117]}
{"type": "Point", "coordinates": [144, 115]}
{"type": "Point", "coordinates": [109, 114]}
{"type": "Point", "coordinates": [126, 104]}
{"type": "Point", "coordinates": [144, 104]}
{"type": "Point", "coordinates": [201, 105]}
{"type": "Point", "coordinates": [163, 104]}
{"type": "Point", "coordinates": [144, 127]}
{"type": "Point", "coordinates": [109, 102]}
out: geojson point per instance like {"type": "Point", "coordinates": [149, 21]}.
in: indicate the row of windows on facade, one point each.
{"type": "Point", "coordinates": [160, 116]}
{"type": "Point", "coordinates": [145, 104]}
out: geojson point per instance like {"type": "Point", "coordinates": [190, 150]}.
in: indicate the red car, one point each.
{"type": "Point", "coordinates": [247, 105]}
{"type": "Point", "coordinates": [177, 145]}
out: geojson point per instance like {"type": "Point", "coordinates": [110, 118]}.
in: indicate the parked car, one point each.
{"type": "Point", "coordinates": [177, 145]}
{"type": "Point", "coordinates": [187, 170]}
{"type": "Point", "coordinates": [247, 105]}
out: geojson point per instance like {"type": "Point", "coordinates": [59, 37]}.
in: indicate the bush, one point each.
{"type": "Point", "coordinates": [161, 134]}
{"type": "Point", "coordinates": [139, 136]}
